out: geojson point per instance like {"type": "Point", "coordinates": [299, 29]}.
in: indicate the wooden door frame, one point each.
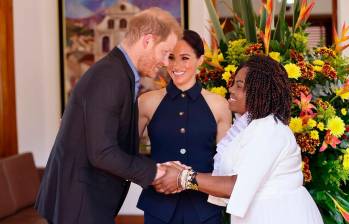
{"type": "Point", "coordinates": [8, 123]}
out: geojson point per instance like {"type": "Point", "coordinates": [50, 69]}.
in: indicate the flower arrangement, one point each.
{"type": "Point", "coordinates": [320, 90]}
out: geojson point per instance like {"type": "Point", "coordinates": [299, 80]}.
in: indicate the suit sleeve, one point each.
{"type": "Point", "coordinates": [260, 153]}
{"type": "Point", "coordinates": [102, 104]}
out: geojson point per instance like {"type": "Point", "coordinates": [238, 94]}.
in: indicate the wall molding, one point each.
{"type": "Point", "coordinates": [8, 125]}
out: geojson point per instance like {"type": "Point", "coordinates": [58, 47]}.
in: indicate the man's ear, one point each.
{"type": "Point", "coordinates": [147, 40]}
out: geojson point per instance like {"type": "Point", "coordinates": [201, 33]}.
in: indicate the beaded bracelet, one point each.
{"type": "Point", "coordinates": [191, 183]}
{"type": "Point", "coordinates": [187, 180]}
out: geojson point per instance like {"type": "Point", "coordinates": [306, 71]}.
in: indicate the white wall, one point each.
{"type": "Point", "coordinates": [199, 18]}
{"type": "Point", "coordinates": [343, 16]}
{"type": "Point", "coordinates": [36, 75]}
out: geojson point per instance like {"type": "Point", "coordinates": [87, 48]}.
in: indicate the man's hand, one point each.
{"type": "Point", "coordinates": [168, 183]}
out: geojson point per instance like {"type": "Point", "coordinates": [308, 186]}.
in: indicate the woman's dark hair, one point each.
{"type": "Point", "coordinates": [194, 40]}
{"type": "Point", "coordinates": [267, 89]}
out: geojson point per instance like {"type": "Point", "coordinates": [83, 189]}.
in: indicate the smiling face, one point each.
{"type": "Point", "coordinates": [155, 55]}
{"type": "Point", "coordinates": [237, 100]}
{"type": "Point", "coordinates": [182, 65]}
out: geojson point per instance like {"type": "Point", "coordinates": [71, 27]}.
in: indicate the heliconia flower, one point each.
{"type": "Point", "coordinates": [331, 140]}
{"type": "Point", "coordinates": [213, 55]}
{"type": "Point", "coordinates": [304, 12]}
{"type": "Point", "coordinates": [305, 105]}
{"type": "Point", "coordinates": [338, 40]}
{"type": "Point", "coordinates": [268, 4]}
{"type": "Point", "coordinates": [343, 211]}
{"type": "Point", "coordinates": [343, 92]}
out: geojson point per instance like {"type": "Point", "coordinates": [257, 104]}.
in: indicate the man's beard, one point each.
{"type": "Point", "coordinates": [147, 64]}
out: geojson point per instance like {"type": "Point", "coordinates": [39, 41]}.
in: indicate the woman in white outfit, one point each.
{"type": "Point", "coordinates": [257, 169]}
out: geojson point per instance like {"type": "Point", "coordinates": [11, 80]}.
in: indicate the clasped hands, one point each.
{"type": "Point", "coordinates": [167, 177]}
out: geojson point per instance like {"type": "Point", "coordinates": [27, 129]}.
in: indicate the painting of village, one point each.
{"type": "Point", "coordinates": [91, 28]}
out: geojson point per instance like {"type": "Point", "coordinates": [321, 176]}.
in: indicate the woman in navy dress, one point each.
{"type": "Point", "coordinates": [184, 122]}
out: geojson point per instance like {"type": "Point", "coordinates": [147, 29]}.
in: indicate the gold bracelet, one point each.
{"type": "Point", "coordinates": [191, 183]}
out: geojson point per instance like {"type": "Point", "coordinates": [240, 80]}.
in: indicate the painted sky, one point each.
{"type": "Point", "coordinates": [84, 8]}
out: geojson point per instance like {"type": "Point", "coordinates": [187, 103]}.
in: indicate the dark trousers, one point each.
{"type": "Point", "coordinates": [185, 213]}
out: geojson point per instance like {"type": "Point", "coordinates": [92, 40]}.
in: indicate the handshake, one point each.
{"type": "Point", "coordinates": [174, 177]}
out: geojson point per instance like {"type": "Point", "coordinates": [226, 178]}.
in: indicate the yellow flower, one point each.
{"type": "Point", "coordinates": [346, 159]}
{"type": "Point", "coordinates": [226, 76]}
{"type": "Point", "coordinates": [344, 111]}
{"type": "Point", "coordinates": [311, 123]}
{"type": "Point", "coordinates": [317, 68]}
{"type": "Point", "coordinates": [301, 38]}
{"type": "Point", "coordinates": [220, 57]}
{"type": "Point", "coordinates": [318, 62]}
{"type": "Point", "coordinates": [275, 55]}
{"type": "Point", "coordinates": [314, 135]}
{"type": "Point", "coordinates": [293, 71]}
{"type": "Point", "coordinates": [296, 125]}
{"type": "Point", "coordinates": [230, 68]}
{"type": "Point", "coordinates": [219, 90]}
{"type": "Point", "coordinates": [336, 126]}
{"type": "Point", "coordinates": [208, 54]}
{"type": "Point", "coordinates": [342, 94]}
{"type": "Point", "coordinates": [321, 126]}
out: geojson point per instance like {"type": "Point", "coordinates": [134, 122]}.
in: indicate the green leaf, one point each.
{"type": "Point", "coordinates": [263, 19]}
{"type": "Point", "coordinates": [215, 22]}
{"type": "Point", "coordinates": [249, 18]}
{"type": "Point", "coordinates": [296, 10]}
{"type": "Point", "coordinates": [279, 34]}
{"type": "Point", "coordinates": [237, 7]}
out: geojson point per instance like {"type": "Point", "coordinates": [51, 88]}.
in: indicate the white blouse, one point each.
{"type": "Point", "coordinates": [267, 161]}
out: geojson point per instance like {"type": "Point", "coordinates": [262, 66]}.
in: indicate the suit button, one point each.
{"type": "Point", "coordinates": [183, 151]}
{"type": "Point", "coordinates": [181, 113]}
{"type": "Point", "coordinates": [182, 130]}
{"type": "Point", "coordinates": [183, 95]}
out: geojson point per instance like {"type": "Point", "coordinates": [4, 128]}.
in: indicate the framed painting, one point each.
{"type": "Point", "coordinates": [89, 29]}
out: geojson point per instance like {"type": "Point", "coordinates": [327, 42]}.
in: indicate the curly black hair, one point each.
{"type": "Point", "coordinates": [267, 89]}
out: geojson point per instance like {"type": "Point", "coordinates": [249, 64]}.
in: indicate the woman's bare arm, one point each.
{"type": "Point", "coordinates": [219, 186]}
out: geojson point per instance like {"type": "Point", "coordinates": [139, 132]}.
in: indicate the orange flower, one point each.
{"type": "Point", "coordinates": [305, 105]}
{"type": "Point", "coordinates": [338, 40]}
{"type": "Point", "coordinates": [343, 211]}
{"type": "Point", "coordinates": [304, 12]}
{"type": "Point", "coordinates": [268, 5]}
{"type": "Point", "coordinates": [331, 140]}
{"type": "Point", "coordinates": [213, 55]}
{"type": "Point", "coordinates": [343, 92]}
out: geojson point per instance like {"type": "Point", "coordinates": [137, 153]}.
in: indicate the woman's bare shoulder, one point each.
{"type": "Point", "coordinates": [214, 99]}
{"type": "Point", "coordinates": [152, 96]}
